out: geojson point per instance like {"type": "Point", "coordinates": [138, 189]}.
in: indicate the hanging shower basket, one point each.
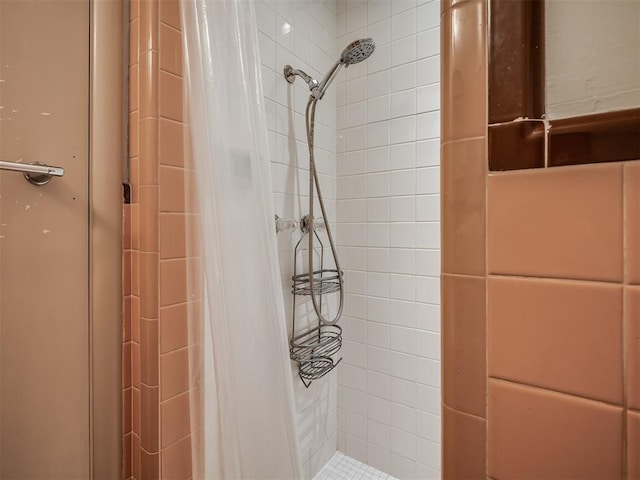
{"type": "Point", "coordinates": [314, 347]}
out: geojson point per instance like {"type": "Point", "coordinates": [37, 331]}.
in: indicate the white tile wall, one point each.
{"type": "Point", "coordinates": [388, 211]}
{"type": "Point", "coordinates": [377, 149]}
{"type": "Point", "coordinates": [302, 33]}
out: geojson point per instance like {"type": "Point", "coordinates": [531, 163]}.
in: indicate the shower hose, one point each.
{"type": "Point", "coordinates": [313, 179]}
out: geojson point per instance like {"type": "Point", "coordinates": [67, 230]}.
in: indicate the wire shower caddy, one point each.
{"type": "Point", "coordinates": [314, 347]}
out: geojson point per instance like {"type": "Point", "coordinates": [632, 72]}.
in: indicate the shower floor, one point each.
{"type": "Point", "coordinates": [341, 467]}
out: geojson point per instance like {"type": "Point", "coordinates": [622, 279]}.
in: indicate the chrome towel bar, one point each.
{"type": "Point", "coordinates": [37, 173]}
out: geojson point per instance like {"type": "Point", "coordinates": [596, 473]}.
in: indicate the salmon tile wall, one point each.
{"type": "Point", "coordinates": [541, 275]}
{"type": "Point", "coordinates": [464, 284]}
{"type": "Point", "coordinates": [156, 335]}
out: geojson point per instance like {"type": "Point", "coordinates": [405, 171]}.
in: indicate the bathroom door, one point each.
{"type": "Point", "coordinates": [44, 322]}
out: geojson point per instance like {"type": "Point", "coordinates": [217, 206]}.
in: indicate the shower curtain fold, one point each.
{"type": "Point", "coordinates": [248, 430]}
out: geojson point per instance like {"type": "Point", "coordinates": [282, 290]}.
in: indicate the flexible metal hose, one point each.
{"type": "Point", "coordinates": [313, 179]}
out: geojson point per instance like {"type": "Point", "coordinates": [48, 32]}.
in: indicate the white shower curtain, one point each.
{"type": "Point", "coordinates": [248, 403]}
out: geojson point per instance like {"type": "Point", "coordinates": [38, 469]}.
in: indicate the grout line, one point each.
{"type": "Point", "coordinates": [558, 392]}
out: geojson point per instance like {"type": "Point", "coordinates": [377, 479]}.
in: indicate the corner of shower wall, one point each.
{"type": "Point", "coordinates": [301, 34]}
{"type": "Point", "coordinates": [158, 258]}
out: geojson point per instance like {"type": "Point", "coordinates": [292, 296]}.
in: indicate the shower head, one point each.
{"type": "Point", "coordinates": [357, 51]}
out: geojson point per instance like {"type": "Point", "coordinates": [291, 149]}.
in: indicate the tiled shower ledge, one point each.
{"type": "Point", "coordinates": [341, 467]}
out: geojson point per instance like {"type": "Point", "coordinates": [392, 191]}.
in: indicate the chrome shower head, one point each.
{"type": "Point", "coordinates": [355, 52]}
{"type": "Point", "coordinates": [358, 51]}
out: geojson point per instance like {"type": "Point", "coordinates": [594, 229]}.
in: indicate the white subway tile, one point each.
{"type": "Point", "coordinates": [428, 344]}
{"type": "Point", "coordinates": [403, 418]}
{"type": "Point", "coordinates": [355, 354]}
{"type": "Point", "coordinates": [378, 109]}
{"type": "Point", "coordinates": [379, 434]}
{"type": "Point", "coordinates": [378, 360]}
{"type": "Point", "coordinates": [428, 235]}
{"type": "Point", "coordinates": [428, 317]}
{"type": "Point", "coordinates": [428, 70]}
{"type": "Point", "coordinates": [378, 184]}
{"type": "Point", "coordinates": [378, 10]}
{"type": "Point", "coordinates": [403, 103]}
{"type": "Point", "coordinates": [378, 310]}
{"type": "Point", "coordinates": [428, 263]}
{"type": "Point", "coordinates": [427, 473]}
{"type": "Point", "coordinates": [378, 334]}
{"type": "Point", "coordinates": [428, 125]}
{"type": "Point", "coordinates": [380, 60]}
{"type": "Point", "coordinates": [403, 443]}
{"type": "Point", "coordinates": [403, 51]}
{"type": "Point", "coordinates": [403, 156]}
{"type": "Point", "coordinates": [402, 467]}
{"type": "Point", "coordinates": [402, 235]}
{"type": "Point", "coordinates": [403, 391]}
{"type": "Point", "coordinates": [356, 425]}
{"type": "Point", "coordinates": [427, 289]}
{"type": "Point", "coordinates": [428, 372]}
{"type": "Point", "coordinates": [403, 24]}
{"type": "Point", "coordinates": [379, 84]}
{"type": "Point", "coordinates": [403, 130]}
{"type": "Point", "coordinates": [356, 90]}
{"type": "Point", "coordinates": [351, 400]}
{"type": "Point", "coordinates": [428, 426]}
{"type": "Point", "coordinates": [355, 138]}
{"type": "Point", "coordinates": [355, 163]}
{"type": "Point", "coordinates": [378, 159]}
{"type": "Point", "coordinates": [398, 6]}
{"type": "Point", "coordinates": [355, 114]}
{"type": "Point", "coordinates": [428, 43]}
{"type": "Point", "coordinates": [402, 182]}
{"type": "Point", "coordinates": [428, 153]}
{"type": "Point", "coordinates": [378, 209]}
{"type": "Point", "coordinates": [428, 98]}
{"type": "Point", "coordinates": [378, 385]}
{"type": "Point", "coordinates": [379, 458]}
{"type": "Point", "coordinates": [378, 134]}
{"type": "Point", "coordinates": [403, 366]}
{"type": "Point", "coordinates": [378, 409]}
{"type": "Point", "coordinates": [356, 18]}
{"type": "Point", "coordinates": [403, 339]}
{"type": "Point", "coordinates": [403, 208]}
{"type": "Point", "coordinates": [354, 329]}
{"type": "Point", "coordinates": [402, 260]}
{"type": "Point", "coordinates": [428, 208]}
{"type": "Point", "coordinates": [402, 313]}
{"type": "Point", "coordinates": [378, 285]}
{"type": "Point", "coordinates": [378, 235]}
{"type": "Point", "coordinates": [380, 31]}
{"type": "Point", "coordinates": [427, 399]}
{"type": "Point", "coordinates": [356, 448]}
{"type": "Point", "coordinates": [429, 453]}
{"type": "Point", "coordinates": [403, 77]}
{"type": "Point", "coordinates": [378, 259]}
{"type": "Point", "coordinates": [428, 16]}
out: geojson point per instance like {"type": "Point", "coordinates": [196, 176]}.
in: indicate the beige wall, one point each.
{"type": "Point", "coordinates": [592, 56]}
{"type": "Point", "coordinates": [44, 58]}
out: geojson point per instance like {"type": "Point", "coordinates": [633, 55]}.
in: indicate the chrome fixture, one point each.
{"type": "Point", "coordinates": [314, 347]}
{"type": "Point", "coordinates": [37, 173]}
{"type": "Point", "coordinates": [286, 224]}
{"type": "Point", "coordinates": [355, 52]}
